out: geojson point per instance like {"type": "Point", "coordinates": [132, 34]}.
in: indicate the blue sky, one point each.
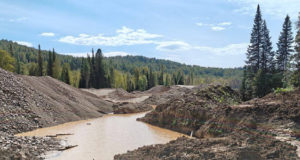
{"type": "Point", "coordinates": [200, 32]}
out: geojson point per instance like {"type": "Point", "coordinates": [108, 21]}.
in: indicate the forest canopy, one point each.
{"type": "Point", "coordinates": [128, 72]}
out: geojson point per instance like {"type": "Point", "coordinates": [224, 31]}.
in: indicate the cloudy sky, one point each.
{"type": "Point", "coordinates": [211, 33]}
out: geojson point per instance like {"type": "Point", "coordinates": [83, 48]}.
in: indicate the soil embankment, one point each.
{"type": "Point", "coordinates": [27, 103]}
{"type": "Point", "coordinates": [188, 112]}
{"type": "Point", "coordinates": [265, 128]}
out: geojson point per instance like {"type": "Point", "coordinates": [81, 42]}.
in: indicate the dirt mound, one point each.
{"type": "Point", "coordinates": [267, 127]}
{"type": "Point", "coordinates": [27, 103]}
{"type": "Point", "coordinates": [161, 95]}
{"type": "Point", "coordinates": [158, 89]}
{"type": "Point", "coordinates": [25, 148]}
{"type": "Point", "coordinates": [126, 107]}
{"type": "Point", "coordinates": [33, 102]}
{"type": "Point", "coordinates": [188, 112]}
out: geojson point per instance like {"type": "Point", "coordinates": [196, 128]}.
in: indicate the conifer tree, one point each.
{"type": "Point", "coordinates": [284, 45]}
{"type": "Point", "coordinates": [161, 76]}
{"type": "Point", "coordinates": [56, 67]}
{"type": "Point", "coordinates": [267, 56]}
{"type": "Point", "coordinates": [260, 62]}
{"type": "Point", "coordinates": [100, 81]}
{"type": "Point", "coordinates": [54, 55]}
{"type": "Point", "coordinates": [262, 83]}
{"type": "Point", "coordinates": [255, 48]}
{"type": "Point", "coordinates": [84, 73]}
{"type": "Point", "coordinates": [50, 64]}
{"type": "Point", "coordinates": [40, 62]}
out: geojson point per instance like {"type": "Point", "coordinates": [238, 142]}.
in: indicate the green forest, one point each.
{"type": "Point", "coordinates": [95, 71]}
{"type": "Point", "coordinates": [267, 70]}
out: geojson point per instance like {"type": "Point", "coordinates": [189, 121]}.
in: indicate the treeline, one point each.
{"type": "Point", "coordinates": [96, 71]}
{"type": "Point", "coordinates": [265, 69]}
{"type": "Point", "coordinates": [94, 74]}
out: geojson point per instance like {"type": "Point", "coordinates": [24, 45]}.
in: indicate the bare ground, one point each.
{"type": "Point", "coordinates": [27, 103]}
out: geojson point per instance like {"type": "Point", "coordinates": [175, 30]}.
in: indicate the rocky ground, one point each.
{"type": "Point", "coordinates": [266, 128]}
{"type": "Point", "coordinates": [19, 148]}
{"type": "Point", "coordinates": [27, 103]}
{"type": "Point", "coordinates": [228, 148]}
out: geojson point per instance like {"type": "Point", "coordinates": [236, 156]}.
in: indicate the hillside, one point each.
{"type": "Point", "coordinates": [126, 65]}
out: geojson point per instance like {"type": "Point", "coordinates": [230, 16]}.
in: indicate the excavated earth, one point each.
{"type": "Point", "coordinates": [27, 103]}
{"type": "Point", "coordinates": [266, 128]}
{"type": "Point", "coordinates": [223, 126]}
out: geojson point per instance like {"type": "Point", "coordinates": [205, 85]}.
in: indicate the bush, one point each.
{"type": "Point", "coordinates": [283, 90]}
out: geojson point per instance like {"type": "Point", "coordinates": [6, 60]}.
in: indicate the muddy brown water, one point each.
{"type": "Point", "coordinates": [102, 138]}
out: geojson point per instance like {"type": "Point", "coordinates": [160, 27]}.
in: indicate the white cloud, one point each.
{"type": "Point", "coordinates": [178, 46]}
{"type": "Point", "coordinates": [231, 49]}
{"type": "Point", "coordinates": [28, 44]}
{"type": "Point", "coordinates": [47, 34]}
{"type": "Point", "coordinates": [124, 36]}
{"type": "Point", "coordinates": [217, 28]}
{"type": "Point", "coordinates": [278, 8]}
{"type": "Point", "coordinates": [199, 24]}
{"type": "Point", "coordinates": [173, 46]}
{"type": "Point", "coordinates": [112, 54]}
{"type": "Point", "coordinates": [20, 19]}
{"type": "Point", "coordinates": [225, 24]}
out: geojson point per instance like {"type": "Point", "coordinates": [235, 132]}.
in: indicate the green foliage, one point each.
{"type": "Point", "coordinates": [262, 72]}
{"type": "Point", "coordinates": [40, 62]}
{"type": "Point", "coordinates": [65, 74]}
{"type": "Point", "coordinates": [282, 90]}
{"type": "Point", "coordinates": [7, 62]}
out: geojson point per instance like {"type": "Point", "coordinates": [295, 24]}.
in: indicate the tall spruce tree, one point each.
{"type": "Point", "coordinates": [100, 80]}
{"type": "Point", "coordinates": [255, 48]}
{"type": "Point", "coordinates": [284, 45]}
{"type": "Point", "coordinates": [84, 73]}
{"type": "Point", "coordinates": [267, 56]}
{"type": "Point", "coordinates": [40, 62]}
{"type": "Point", "coordinates": [254, 57]}
{"type": "Point", "coordinates": [262, 80]}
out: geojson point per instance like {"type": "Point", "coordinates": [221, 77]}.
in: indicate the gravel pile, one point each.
{"type": "Point", "coordinates": [30, 148]}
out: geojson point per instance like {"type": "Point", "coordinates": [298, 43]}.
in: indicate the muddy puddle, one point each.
{"type": "Point", "coordinates": [102, 138]}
